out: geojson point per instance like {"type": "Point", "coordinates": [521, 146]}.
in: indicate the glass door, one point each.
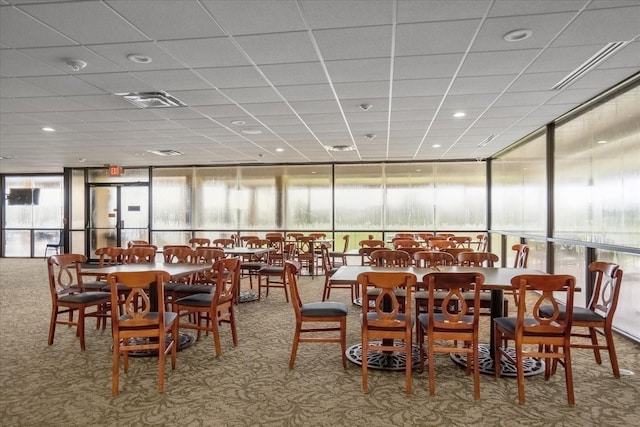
{"type": "Point", "coordinates": [118, 213]}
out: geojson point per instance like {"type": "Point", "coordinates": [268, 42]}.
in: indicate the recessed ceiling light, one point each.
{"type": "Point", "coordinates": [238, 122]}
{"type": "Point", "coordinates": [339, 147]}
{"type": "Point", "coordinates": [82, 160]}
{"type": "Point", "coordinates": [436, 145]}
{"type": "Point", "coordinates": [139, 59]}
{"type": "Point", "coordinates": [251, 131]}
{"type": "Point", "coordinates": [5, 157]}
{"type": "Point", "coordinates": [602, 141]}
{"type": "Point", "coordinates": [418, 170]}
{"type": "Point", "coordinates": [459, 114]}
{"type": "Point", "coordinates": [370, 136]}
{"type": "Point", "coordinates": [165, 152]}
{"type": "Point", "coordinates": [48, 129]}
{"type": "Point", "coordinates": [518, 35]}
{"type": "Point", "coordinates": [365, 107]}
{"type": "Point", "coordinates": [279, 150]}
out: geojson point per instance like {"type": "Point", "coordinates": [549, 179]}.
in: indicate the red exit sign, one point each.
{"type": "Point", "coordinates": [115, 171]}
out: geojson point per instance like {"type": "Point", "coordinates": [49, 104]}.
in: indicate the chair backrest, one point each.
{"type": "Point", "coordinates": [390, 258]}
{"type": "Point", "coordinates": [365, 253]}
{"type": "Point", "coordinates": [274, 234]}
{"type": "Point", "coordinates": [294, 236]}
{"type": "Point", "coordinates": [441, 244]}
{"type": "Point", "coordinates": [462, 241]}
{"type": "Point", "coordinates": [455, 251]}
{"type": "Point", "coordinates": [224, 243]}
{"type": "Point", "coordinates": [131, 243]}
{"type": "Point", "coordinates": [386, 306]}
{"type": "Point", "coordinates": [404, 236]}
{"type": "Point", "coordinates": [447, 236]}
{"type": "Point", "coordinates": [318, 235]}
{"type": "Point", "coordinates": [522, 255]}
{"type": "Point", "coordinates": [139, 255]}
{"type": "Point", "coordinates": [346, 243]}
{"type": "Point", "coordinates": [547, 288]}
{"type": "Point", "coordinates": [199, 241]}
{"type": "Point", "coordinates": [227, 278]}
{"type": "Point", "coordinates": [453, 308]}
{"type": "Point", "coordinates": [483, 242]}
{"type": "Point", "coordinates": [424, 236]}
{"type": "Point", "coordinates": [607, 281]}
{"type": "Point", "coordinates": [291, 269]}
{"type": "Point", "coordinates": [245, 239]}
{"type": "Point", "coordinates": [177, 253]}
{"type": "Point", "coordinates": [207, 255]}
{"type": "Point", "coordinates": [371, 243]}
{"type": "Point", "coordinates": [110, 255]}
{"type": "Point", "coordinates": [138, 303]}
{"type": "Point", "coordinates": [304, 245]}
{"type": "Point", "coordinates": [326, 260]}
{"type": "Point", "coordinates": [64, 274]}
{"type": "Point", "coordinates": [433, 258]}
{"type": "Point", "coordinates": [405, 243]}
{"type": "Point", "coordinates": [477, 259]}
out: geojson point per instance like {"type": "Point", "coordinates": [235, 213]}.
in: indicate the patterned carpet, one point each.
{"type": "Point", "coordinates": [252, 385]}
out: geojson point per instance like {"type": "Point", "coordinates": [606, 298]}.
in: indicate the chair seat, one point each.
{"type": "Point", "coordinates": [509, 323]}
{"type": "Point", "coordinates": [424, 295]}
{"type": "Point", "coordinates": [199, 300]}
{"type": "Point", "coordinates": [580, 314]}
{"type": "Point", "coordinates": [400, 317]}
{"type": "Point", "coordinates": [272, 270]}
{"type": "Point", "coordinates": [85, 297]}
{"type": "Point", "coordinates": [324, 308]}
{"type": "Point", "coordinates": [185, 288]}
{"type": "Point", "coordinates": [96, 286]}
{"type": "Point", "coordinates": [252, 265]}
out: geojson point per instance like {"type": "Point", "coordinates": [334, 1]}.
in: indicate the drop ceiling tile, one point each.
{"type": "Point", "coordinates": [16, 64]}
{"type": "Point", "coordinates": [85, 22]}
{"type": "Point", "coordinates": [151, 15]}
{"type": "Point", "coordinates": [171, 80]}
{"type": "Point", "coordinates": [64, 85]}
{"type": "Point", "coordinates": [268, 48]}
{"type": "Point", "coordinates": [352, 13]}
{"type": "Point", "coordinates": [205, 53]}
{"type": "Point", "coordinates": [594, 26]}
{"type": "Point", "coordinates": [256, 17]}
{"type": "Point", "coordinates": [352, 43]}
{"type": "Point", "coordinates": [295, 74]}
{"type": "Point", "coordinates": [117, 54]}
{"type": "Point", "coordinates": [18, 29]}
{"type": "Point", "coordinates": [452, 37]}
{"type": "Point", "coordinates": [232, 77]}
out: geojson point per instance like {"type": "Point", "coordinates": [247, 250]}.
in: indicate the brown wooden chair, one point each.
{"type": "Point", "coordinates": [306, 254]}
{"type": "Point", "coordinates": [294, 235]}
{"type": "Point", "coordinates": [483, 259]}
{"type": "Point", "coordinates": [401, 243]}
{"type": "Point", "coordinates": [482, 242]}
{"type": "Point", "coordinates": [224, 243]}
{"type": "Point", "coordinates": [425, 259]}
{"type": "Point", "coordinates": [597, 317]}
{"type": "Point", "coordinates": [329, 270]}
{"type": "Point", "coordinates": [442, 324]}
{"type": "Point", "coordinates": [439, 244]}
{"type": "Point", "coordinates": [324, 314]}
{"type": "Point", "coordinates": [341, 255]}
{"type": "Point", "coordinates": [366, 247]}
{"type": "Point", "coordinates": [199, 241]}
{"type": "Point", "coordinates": [520, 261]}
{"type": "Point", "coordinates": [139, 254]}
{"type": "Point", "coordinates": [534, 335]}
{"type": "Point", "coordinates": [462, 241]}
{"type": "Point", "coordinates": [144, 325]}
{"type": "Point", "coordinates": [175, 254]}
{"type": "Point", "coordinates": [212, 309]}
{"type": "Point", "coordinates": [67, 296]}
{"type": "Point", "coordinates": [404, 236]}
{"type": "Point", "coordinates": [385, 321]}
{"type": "Point", "coordinates": [246, 239]}
{"type": "Point", "coordinates": [251, 264]}
{"type": "Point", "coordinates": [390, 258]}
{"type": "Point", "coordinates": [274, 273]}
{"type": "Point", "coordinates": [131, 243]}
{"type": "Point", "coordinates": [202, 282]}
{"type": "Point", "coordinates": [455, 252]}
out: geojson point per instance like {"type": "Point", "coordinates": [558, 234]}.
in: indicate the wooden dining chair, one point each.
{"type": "Point", "coordinates": [547, 337]}
{"type": "Point", "coordinates": [68, 296]}
{"type": "Point", "coordinates": [597, 317]}
{"type": "Point", "coordinates": [138, 254]}
{"type": "Point", "coordinates": [144, 325]}
{"type": "Point", "coordinates": [483, 259]}
{"type": "Point", "coordinates": [455, 252]}
{"type": "Point", "coordinates": [384, 321]}
{"type": "Point", "coordinates": [251, 264]}
{"type": "Point", "coordinates": [442, 328]}
{"type": "Point", "coordinates": [212, 309]}
{"type": "Point", "coordinates": [174, 254]}
{"type": "Point", "coordinates": [326, 316]}
{"type": "Point", "coordinates": [199, 241]}
{"type": "Point", "coordinates": [329, 270]}
{"type": "Point", "coordinates": [223, 242]}
{"type": "Point", "coordinates": [390, 258]}
{"type": "Point", "coordinates": [273, 273]}
{"type": "Point", "coordinates": [340, 255]}
{"type": "Point", "coordinates": [439, 244]}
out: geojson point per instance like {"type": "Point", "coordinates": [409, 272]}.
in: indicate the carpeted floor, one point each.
{"type": "Point", "coordinates": [252, 385]}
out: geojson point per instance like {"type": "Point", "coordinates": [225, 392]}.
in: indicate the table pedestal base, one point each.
{"type": "Point", "coordinates": [532, 366]}
{"type": "Point", "coordinates": [390, 361]}
{"type": "Point", "coordinates": [184, 341]}
{"type": "Point", "coordinates": [246, 296]}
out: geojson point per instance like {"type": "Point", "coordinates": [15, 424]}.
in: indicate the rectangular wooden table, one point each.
{"type": "Point", "coordinates": [496, 280]}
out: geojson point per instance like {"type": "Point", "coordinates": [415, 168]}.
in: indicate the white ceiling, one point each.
{"type": "Point", "coordinates": [297, 71]}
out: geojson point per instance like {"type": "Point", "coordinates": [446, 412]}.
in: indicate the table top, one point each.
{"type": "Point", "coordinates": [495, 277]}
{"type": "Point", "coordinates": [174, 269]}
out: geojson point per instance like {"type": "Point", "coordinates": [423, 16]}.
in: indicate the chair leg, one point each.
{"type": "Point", "coordinates": [52, 324]}
{"type": "Point", "coordinates": [520, 372]}
{"type": "Point", "coordinates": [594, 343]}
{"type": "Point", "coordinates": [81, 327]}
{"type": "Point", "coordinates": [612, 353]}
{"type": "Point", "coordinates": [365, 362]}
{"type": "Point", "coordinates": [115, 367]}
{"type": "Point", "coordinates": [294, 346]}
{"type": "Point", "coordinates": [432, 367]}
{"type": "Point", "coordinates": [343, 340]}
{"type": "Point", "coordinates": [568, 374]}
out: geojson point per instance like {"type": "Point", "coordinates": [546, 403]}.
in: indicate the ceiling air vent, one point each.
{"type": "Point", "coordinates": [152, 99]}
{"type": "Point", "coordinates": [166, 152]}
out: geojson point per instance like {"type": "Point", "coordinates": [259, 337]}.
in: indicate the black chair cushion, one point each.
{"type": "Point", "coordinates": [424, 319]}
{"type": "Point", "coordinates": [184, 288]}
{"type": "Point", "coordinates": [580, 314]}
{"type": "Point", "coordinates": [197, 300]}
{"type": "Point", "coordinates": [324, 308]}
{"type": "Point", "coordinates": [85, 297]}
{"type": "Point", "coordinates": [509, 323]}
